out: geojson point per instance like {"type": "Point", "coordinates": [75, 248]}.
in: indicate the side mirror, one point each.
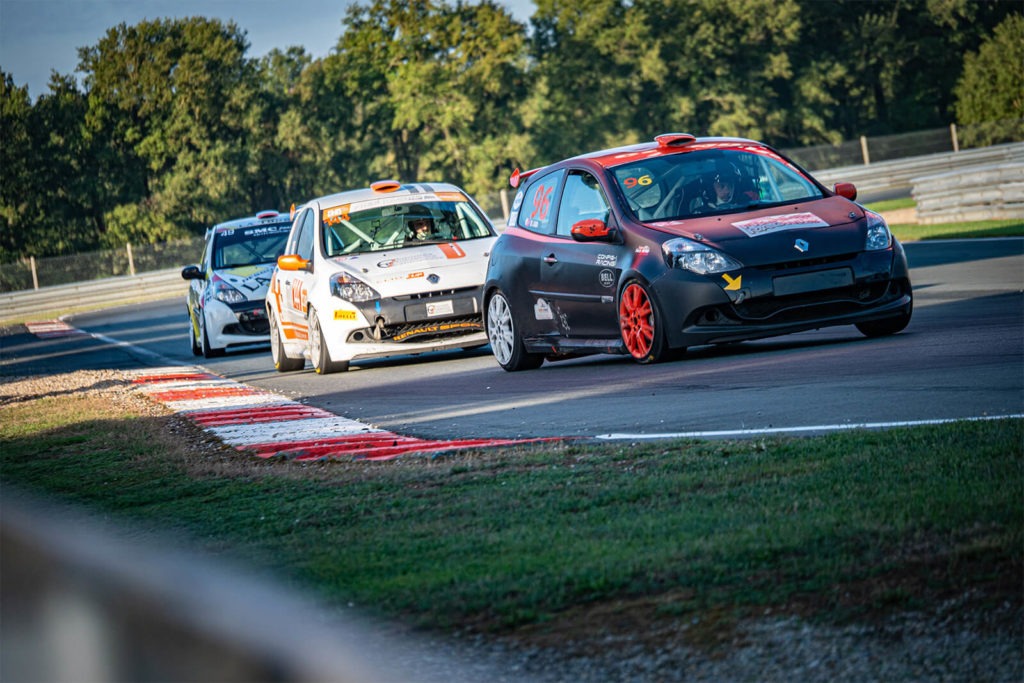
{"type": "Point", "coordinates": [847, 190]}
{"type": "Point", "coordinates": [292, 262]}
{"type": "Point", "coordinates": [192, 272]}
{"type": "Point", "coordinates": [593, 230]}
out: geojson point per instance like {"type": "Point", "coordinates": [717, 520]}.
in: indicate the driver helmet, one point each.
{"type": "Point", "coordinates": [420, 223]}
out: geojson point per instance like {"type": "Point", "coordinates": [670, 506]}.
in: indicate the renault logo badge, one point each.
{"type": "Point", "coordinates": [433, 278]}
{"type": "Point", "coordinates": [801, 246]}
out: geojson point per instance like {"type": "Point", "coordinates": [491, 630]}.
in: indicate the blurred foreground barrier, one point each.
{"type": "Point", "coordinates": [893, 176]}
{"type": "Point", "coordinates": [974, 193]}
{"type": "Point", "coordinates": [83, 601]}
{"type": "Point", "coordinates": [112, 291]}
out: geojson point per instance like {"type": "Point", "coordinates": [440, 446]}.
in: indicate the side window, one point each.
{"type": "Point", "coordinates": [537, 212]}
{"type": "Point", "coordinates": [582, 199]}
{"type": "Point", "coordinates": [304, 237]}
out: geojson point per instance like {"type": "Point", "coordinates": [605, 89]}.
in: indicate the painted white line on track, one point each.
{"type": "Point", "coordinates": [799, 430]}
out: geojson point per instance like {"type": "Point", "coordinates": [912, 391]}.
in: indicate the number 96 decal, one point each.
{"type": "Point", "coordinates": [643, 180]}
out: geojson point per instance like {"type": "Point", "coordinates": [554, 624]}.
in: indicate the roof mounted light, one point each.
{"type": "Point", "coordinates": [674, 139]}
{"type": "Point", "coordinates": [266, 214]}
{"type": "Point", "coordinates": [385, 186]}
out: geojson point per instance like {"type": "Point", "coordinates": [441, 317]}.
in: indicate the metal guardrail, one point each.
{"type": "Point", "coordinates": [124, 289]}
{"type": "Point", "coordinates": [891, 176]}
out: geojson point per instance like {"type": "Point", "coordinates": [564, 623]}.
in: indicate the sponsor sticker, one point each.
{"type": "Point", "coordinates": [344, 315]}
{"type": "Point", "coordinates": [542, 311]}
{"type": "Point", "coordinates": [608, 260]}
{"type": "Point", "coordinates": [606, 278]}
{"type": "Point", "coordinates": [758, 227]}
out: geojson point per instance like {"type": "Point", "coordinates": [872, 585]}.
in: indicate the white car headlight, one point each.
{"type": "Point", "coordinates": [350, 288]}
{"type": "Point", "coordinates": [696, 257]}
{"type": "Point", "coordinates": [222, 291]}
{"type": "Point", "coordinates": [879, 236]}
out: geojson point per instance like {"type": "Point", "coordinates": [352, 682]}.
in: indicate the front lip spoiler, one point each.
{"type": "Point", "coordinates": [697, 335]}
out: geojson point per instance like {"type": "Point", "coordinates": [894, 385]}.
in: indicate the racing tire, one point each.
{"type": "Point", "coordinates": [641, 326]}
{"type": "Point", "coordinates": [507, 347]}
{"type": "Point", "coordinates": [318, 351]}
{"type": "Point", "coordinates": [282, 363]}
{"type": "Point", "coordinates": [886, 326]}
{"type": "Point", "coordinates": [197, 350]}
{"type": "Point", "coordinates": [208, 351]}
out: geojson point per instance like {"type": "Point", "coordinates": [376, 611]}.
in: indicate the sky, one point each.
{"type": "Point", "coordinates": [40, 36]}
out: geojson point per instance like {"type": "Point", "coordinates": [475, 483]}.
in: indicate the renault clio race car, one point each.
{"type": "Point", "coordinates": [387, 270]}
{"type": "Point", "coordinates": [227, 289]}
{"type": "Point", "coordinates": [649, 249]}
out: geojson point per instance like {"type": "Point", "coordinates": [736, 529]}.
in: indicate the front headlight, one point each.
{"type": "Point", "coordinates": [222, 291]}
{"type": "Point", "coordinates": [696, 257]}
{"type": "Point", "coordinates": [879, 236]}
{"type": "Point", "coordinates": [350, 288]}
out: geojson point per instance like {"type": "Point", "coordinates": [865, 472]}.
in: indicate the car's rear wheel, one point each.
{"type": "Point", "coordinates": [208, 351]}
{"type": "Point", "coordinates": [318, 351]}
{"type": "Point", "coordinates": [506, 345]}
{"type": "Point", "coordinates": [886, 326]}
{"type": "Point", "coordinates": [282, 363]}
{"type": "Point", "coordinates": [641, 325]}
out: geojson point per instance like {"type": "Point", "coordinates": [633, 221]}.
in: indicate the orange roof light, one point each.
{"type": "Point", "coordinates": [385, 186]}
{"type": "Point", "coordinates": [674, 139]}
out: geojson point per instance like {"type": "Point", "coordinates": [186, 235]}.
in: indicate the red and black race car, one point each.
{"type": "Point", "coordinates": [656, 247]}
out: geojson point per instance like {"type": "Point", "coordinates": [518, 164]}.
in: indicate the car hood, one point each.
{"type": "Point", "coordinates": [826, 227]}
{"type": "Point", "coordinates": [440, 266]}
{"type": "Point", "coordinates": [249, 280]}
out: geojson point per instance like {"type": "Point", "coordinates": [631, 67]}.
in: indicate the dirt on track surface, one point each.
{"type": "Point", "coordinates": [969, 637]}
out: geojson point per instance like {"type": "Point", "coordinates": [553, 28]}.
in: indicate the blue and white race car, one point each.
{"type": "Point", "coordinates": [228, 288]}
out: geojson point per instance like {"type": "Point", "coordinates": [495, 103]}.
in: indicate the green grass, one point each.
{"type": "Point", "coordinates": [912, 232]}
{"type": "Point", "coordinates": [892, 204]}
{"type": "Point", "coordinates": [836, 526]}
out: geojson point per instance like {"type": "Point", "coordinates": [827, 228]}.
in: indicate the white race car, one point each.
{"type": "Point", "coordinates": [383, 271]}
{"type": "Point", "coordinates": [227, 290]}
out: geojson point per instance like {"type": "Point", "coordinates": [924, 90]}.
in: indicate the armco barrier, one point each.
{"type": "Point", "coordinates": [159, 284]}
{"type": "Point", "coordinates": [892, 176]}
{"type": "Point", "coordinates": [975, 193]}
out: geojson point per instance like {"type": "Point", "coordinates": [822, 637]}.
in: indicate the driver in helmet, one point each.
{"type": "Point", "coordinates": [420, 225]}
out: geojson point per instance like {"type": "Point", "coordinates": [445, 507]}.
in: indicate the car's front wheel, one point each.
{"type": "Point", "coordinates": [886, 326]}
{"type": "Point", "coordinates": [641, 325]}
{"type": "Point", "coordinates": [282, 363]}
{"type": "Point", "coordinates": [197, 350]}
{"type": "Point", "coordinates": [506, 345]}
{"type": "Point", "coordinates": [208, 351]}
{"type": "Point", "coordinates": [318, 351]}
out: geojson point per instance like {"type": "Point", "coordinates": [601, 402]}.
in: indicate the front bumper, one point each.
{"type": "Point", "coordinates": [235, 324]}
{"type": "Point", "coordinates": [786, 298]}
{"type": "Point", "coordinates": [406, 324]}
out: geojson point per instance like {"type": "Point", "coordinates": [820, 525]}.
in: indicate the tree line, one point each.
{"type": "Point", "coordinates": [173, 127]}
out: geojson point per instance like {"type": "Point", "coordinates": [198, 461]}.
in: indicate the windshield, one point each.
{"type": "Point", "coordinates": [255, 245]}
{"type": "Point", "coordinates": [711, 181]}
{"type": "Point", "coordinates": [397, 226]}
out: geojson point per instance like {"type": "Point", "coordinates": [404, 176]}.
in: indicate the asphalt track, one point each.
{"type": "Point", "coordinates": [962, 357]}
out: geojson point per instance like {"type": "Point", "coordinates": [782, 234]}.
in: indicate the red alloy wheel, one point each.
{"type": "Point", "coordinates": [636, 319]}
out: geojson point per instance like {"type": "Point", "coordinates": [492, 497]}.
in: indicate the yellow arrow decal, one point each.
{"type": "Point", "coordinates": [733, 284]}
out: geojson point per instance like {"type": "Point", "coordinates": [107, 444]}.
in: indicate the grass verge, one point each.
{"type": "Point", "coordinates": [912, 232]}
{"type": "Point", "coordinates": [541, 539]}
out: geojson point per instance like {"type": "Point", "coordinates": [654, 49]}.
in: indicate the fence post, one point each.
{"type": "Point", "coordinates": [131, 261]}
{"type": "Point", "coordinates": [864, 150]}
{"type": "Point", "coordinates": [952, 134]}
{"type": "Point", "coordinates": [35, 275]}
{"type": "Point", "coordinates": [503, 193]}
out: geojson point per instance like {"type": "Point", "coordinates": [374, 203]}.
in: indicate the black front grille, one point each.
{"type": "Point", "coordinates": [420, 331]}
{"type": "Point", "coordinates": [808, 263]}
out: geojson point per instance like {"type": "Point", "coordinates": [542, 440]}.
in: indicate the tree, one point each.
{"type": "Point", "coordinates": [425, 91]}
{"type": "Point", "coordinates": [169, 102]}
{"type": "Point", "coordinates": [990, 92]}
